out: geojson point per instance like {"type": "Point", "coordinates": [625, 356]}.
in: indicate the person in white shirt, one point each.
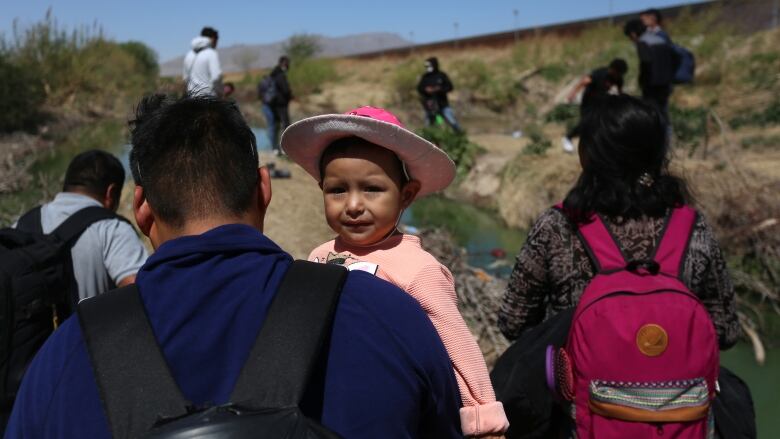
{"type": "Point", "coordinates": [202, 73]}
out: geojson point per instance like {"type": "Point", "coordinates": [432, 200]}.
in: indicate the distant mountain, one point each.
{"type": "Point", "coordinates": [236, 58]}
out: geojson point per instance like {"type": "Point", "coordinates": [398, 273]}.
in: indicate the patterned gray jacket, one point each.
{"type": "Point", "coordinates": [552, 270]}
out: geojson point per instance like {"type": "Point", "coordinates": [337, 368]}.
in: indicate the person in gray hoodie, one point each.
{"type": "Point", "coordinates": [202, 73]}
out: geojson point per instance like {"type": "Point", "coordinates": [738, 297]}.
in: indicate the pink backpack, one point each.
{"type": "Point", "coordinates": [641, 360]}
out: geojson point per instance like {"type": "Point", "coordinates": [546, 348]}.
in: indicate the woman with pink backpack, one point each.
{"type": "Point", "coordinates": [639, 286]}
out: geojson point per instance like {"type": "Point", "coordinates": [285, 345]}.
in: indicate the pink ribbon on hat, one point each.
{"type": "Point", "coordinates": [376, 113]}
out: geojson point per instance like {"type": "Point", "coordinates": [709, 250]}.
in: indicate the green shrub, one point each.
{"type": "Point", "coordinates": [21, 94]}
{"type": "Point", "coordinates": [461, 150]}
{"type": "Point", "coordinates": [768, 116]}
{"type": "Point", "coordinates": [145, 58]}
{"type": "Point", "coordinates": [761, 70]}
{"type": "Point", "coordinates": [301, 47]}
{"type": "Point", "coordinates": [760, 141]}
{"type": "Point", "coordinates": [472, 74]}
{"type": "Point", "coordinates": [567, 114]}
{"type": "Point", "coordinates": [689, 125]}
{"type": "Point", "coordinates": [403, 82]}
{"type": "Point", "coordinates": [308, 76]}
{"type": "Point", "coordinates": [553, 72]}
{"type": "Point", "coordinates": [495, 88]}
{"type": "Point", "coordinates": [81, 69]}
{"type": "Point", "coordinates": [539, 143]}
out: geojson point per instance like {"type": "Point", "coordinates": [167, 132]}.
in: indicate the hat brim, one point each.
{"type": "Point", "coordinates": [306, 140]}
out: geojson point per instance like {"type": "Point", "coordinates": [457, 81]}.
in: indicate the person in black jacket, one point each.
{"type": "Point", "coordinates": [276, 110]}
{"type": "Point", "coordinates": [433, 88]}
{"type": "Point", "coordinates": [657, 64]}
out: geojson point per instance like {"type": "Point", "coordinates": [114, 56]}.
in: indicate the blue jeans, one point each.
{"type": "Point", "coordinates": [272, 126]}
{"type": "Point", "coordinates": [447, 113]}
{"type": "Point", "coordinates": [449, 116]}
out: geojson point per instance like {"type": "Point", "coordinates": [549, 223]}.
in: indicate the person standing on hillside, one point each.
{"type": "Point", "coordinates": [202, 73]}
{"type": "Point", "coordinates": [598, 84]}
{"type": "Point", "coordinates": [652, 18]}
{"type": "Point", "coordinates": [276, 96]}
{"type": "Point", "coordinates": [433, 88]}
{"type": "Point", "coordinates": [657, 64]}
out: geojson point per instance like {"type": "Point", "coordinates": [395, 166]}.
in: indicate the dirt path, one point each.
{"type": "Point", "coordinates": [295, 218]}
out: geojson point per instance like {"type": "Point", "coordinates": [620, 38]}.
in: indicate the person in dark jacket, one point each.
{"type": "Point", "coordinates": [598, 84]}
{"type": "Point", "coordinates": [653, 19]}
{"type": "Point", "coordinates": [657, 63]}
{"type": "Point", "coordinates": [276, 112]}
{"type": "Point", "coordinates": [433, 88]}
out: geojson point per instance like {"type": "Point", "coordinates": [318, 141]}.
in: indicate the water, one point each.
{"type": "Point", "coordinates": [479, 231]}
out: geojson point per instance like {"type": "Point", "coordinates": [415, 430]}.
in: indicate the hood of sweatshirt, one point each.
{"type": "Point", "coordinates": [200, 43]}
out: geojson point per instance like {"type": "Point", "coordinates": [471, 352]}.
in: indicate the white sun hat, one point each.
{"type": "Point", "coordinates": [306, 140]}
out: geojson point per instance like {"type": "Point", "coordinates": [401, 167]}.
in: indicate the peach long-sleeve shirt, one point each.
{"type": "Point", "coordinates": [402, 261]}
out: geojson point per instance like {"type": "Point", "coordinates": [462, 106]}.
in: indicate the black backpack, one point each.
{"type": "Point", "coordinates": [266, 89]}
{"type": "Point", "coordinates": [141, 399]}
{"type": "Point", "coordinates": [37, 289]}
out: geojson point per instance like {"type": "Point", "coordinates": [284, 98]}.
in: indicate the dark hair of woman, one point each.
{"type": "Point", "coordinates": [624, 156]}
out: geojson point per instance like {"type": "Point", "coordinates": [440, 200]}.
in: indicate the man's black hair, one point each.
{"type": "Point", "coordinates": [94, 171]}
{"type": "Point", "coordinates": [193, 156]}
{"type": "Point", "coordinates": [619, 65]}
{"type": "Point", "coordinates": [655, 12]}
{"type": "Point", "coordinates": [634, 26]}
{"type": "Point", "coordinates": [283, 59]}
{"type": "Point", "coordinates": [209, 32]}
{"type": "Point", "coordinates": [434, 62]}
{"type": "Point", "coordinates": [623, 143]}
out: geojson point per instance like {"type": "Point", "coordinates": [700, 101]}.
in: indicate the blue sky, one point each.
{"type": "Point", "coordinates": [168, 26]}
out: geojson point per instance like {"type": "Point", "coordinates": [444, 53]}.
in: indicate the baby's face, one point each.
{"type": "Point", "coordinates": [363, 195]}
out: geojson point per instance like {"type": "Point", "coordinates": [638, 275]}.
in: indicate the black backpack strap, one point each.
{"type": "Point", "coordinates": [135, 384]}
{"type": "Point", "coordinates": [74, 226]}
{"type": "Point", "coordinates": [293, 337]}
{"type": "Point", "coordinates": [31, 221]}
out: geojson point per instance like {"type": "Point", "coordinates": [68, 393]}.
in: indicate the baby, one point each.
{"type": "Point", "coordinates": [370, 169]}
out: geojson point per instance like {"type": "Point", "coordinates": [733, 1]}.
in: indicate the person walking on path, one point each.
{"type": "Point", "coordinates": [370, 168]}
{"type": "Point", "coordinates": [433, 87]}
{"type": "Point", "coordinates": [657, 64]}
{"type": "Point", "coordinates": [202, 73]}
{"type": "Point", "coordinates": [276, 102]}
{"type": "Point", "coordinates": [624, 156]}
{"type": "Point", "coordinates": [202, 201]}
{"type": "Point", "coordinates": [599, 83]}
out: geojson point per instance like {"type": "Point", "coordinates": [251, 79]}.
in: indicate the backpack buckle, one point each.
{"type": "Point", "coordinates": [644, 266]}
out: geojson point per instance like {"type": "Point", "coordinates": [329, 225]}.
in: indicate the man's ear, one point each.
{"type": "Point", "coordinates": [109, 202]}
{"type": "Point", "coordinates": [263, 192]}
{"type": "Point", "coordinates": [409, 192]}
{"type": "Point", "coordinates": [144, 216]}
